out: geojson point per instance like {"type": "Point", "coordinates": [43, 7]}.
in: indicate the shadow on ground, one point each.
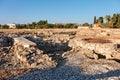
{"type": "Point", "coordinates": [53, 49]}
{"type": "Point", "coordinates": [50, 46]}
{"type": "Point", "coordinates": [67, 73]}
{"type": "Point", "coordinates": [62, 71]}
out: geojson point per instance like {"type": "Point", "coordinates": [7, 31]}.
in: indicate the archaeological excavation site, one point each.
{"type": "Point", "coordinates": [60, 54]}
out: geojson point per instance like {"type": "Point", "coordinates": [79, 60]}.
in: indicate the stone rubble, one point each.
{"type": "Point", "coordinates": [100, 46]}
{"type": "Point", "coordinates": [33, 57]}
{"type": "Point", "coordinates": [60, 55]}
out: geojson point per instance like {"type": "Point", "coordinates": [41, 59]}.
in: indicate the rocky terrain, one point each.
{"type": "Point", "coordinates": [60, 54]}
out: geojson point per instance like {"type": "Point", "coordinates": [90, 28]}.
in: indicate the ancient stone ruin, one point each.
{"type": "Point", "coordinates": [30, 56]}
{"type": "Point", "coordinates": [105, 47]}
{"type": "Point", "coordinates": [60, 53]}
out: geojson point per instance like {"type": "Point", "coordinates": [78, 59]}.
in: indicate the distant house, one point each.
{"type": "Point", "coordinates": [12, 26]}
{"type": "Point", "coordinates": [83, 27]}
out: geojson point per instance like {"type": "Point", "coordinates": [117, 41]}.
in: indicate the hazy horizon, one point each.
{"type": "Point", "coordinates": [62, 11]}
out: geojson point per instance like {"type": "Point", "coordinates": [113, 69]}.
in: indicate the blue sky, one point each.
{"type": "Point", "coordinates": [61, 11]}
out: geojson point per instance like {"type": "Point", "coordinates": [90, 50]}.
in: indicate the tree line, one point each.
{"type": "Point", "coordinates": [108, 21]}
{"type": "Point", "coordinates": [44, 24]}
{"type": "Point", "coordinates": [104, 22]}
{"type": "Point", "coordinates": [41, 25]}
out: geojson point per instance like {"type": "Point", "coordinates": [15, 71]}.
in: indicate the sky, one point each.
{"type": "Point", "coordinates": [56, 11]}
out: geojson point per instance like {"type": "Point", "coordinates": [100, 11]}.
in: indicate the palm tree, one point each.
{"type": "Point", "coordinates": [108, 18]}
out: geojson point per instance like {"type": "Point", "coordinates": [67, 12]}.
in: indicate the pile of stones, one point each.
{"type": "Point", "coordinates": [33, 58]}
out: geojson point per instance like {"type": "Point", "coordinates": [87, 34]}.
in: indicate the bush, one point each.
{"type": "Point", "coordinates": [86, 24]}
{"type": "Point", "coordinates": [50, 26]}
{"type": "Point", "coordinates": [5, 26]}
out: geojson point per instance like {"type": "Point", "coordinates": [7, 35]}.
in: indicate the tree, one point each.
{"type": "Point", "coordinates": [111, 21]}
{"type": "Point", "coordinates": [114, 20]}
{"type": "Point", "coordinates": [28, 26]}
{"type": "Point", "coordinates": [95, 20]}
{"type": "Point", "coordinates": [118, 21]}
{"type": "Point", "coordinates": [108, 18]}
{"type": "Point", "coordinates": [50, 25]}
{"type": "Point", "coordinates": [100, 20]}
{"type": "Point", "coordinates": [18, 26]}
{"type": "Point", "coordinates": [5, 26]}
{"type": "Point", "coordinates": [108, 21]}
{"type": "Point", "coordinates": [33, 25]}
{"type": "Point", "coordinates": [70, 25]}
{"type": "Point", "coordinates": [42, 22]}
{"type": "Point", "coordinates": [59, 26]}
{"type": "Point", "coordinates": [85, 24]}
{"type": "Point", "coordinates": [21, 26]}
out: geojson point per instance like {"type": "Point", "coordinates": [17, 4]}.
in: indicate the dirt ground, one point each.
{"type": "Point", "coordinates": [60, 54]}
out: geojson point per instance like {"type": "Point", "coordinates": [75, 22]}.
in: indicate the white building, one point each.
{"type": "Point", "coordinates": [83, 27]}
{"type": "Point", "coordinates": [13, 26]}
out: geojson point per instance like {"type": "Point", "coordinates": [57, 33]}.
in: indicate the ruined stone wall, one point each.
{"type": "Point", "coordinates": [33, 58]}
{"type": "Point", "coordinates": [98, 47]}
{"type": "Point", "coordinates": [106, 49]}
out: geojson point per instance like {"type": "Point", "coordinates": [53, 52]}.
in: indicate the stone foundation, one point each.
{"type": "Point", "coordinates": [100, 46]}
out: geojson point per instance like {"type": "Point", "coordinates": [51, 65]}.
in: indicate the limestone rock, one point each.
{"type": "Point", "coordinates": [101, 46]}
{"type": "Point", "coordinates": [33, 58]}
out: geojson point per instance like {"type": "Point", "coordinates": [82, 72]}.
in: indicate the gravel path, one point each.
{"type": "Point", "coordinates": [67, 71]}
